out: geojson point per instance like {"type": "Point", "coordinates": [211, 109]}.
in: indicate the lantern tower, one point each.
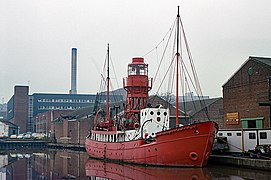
{"type": "Point", "coordinates": [137, 85]}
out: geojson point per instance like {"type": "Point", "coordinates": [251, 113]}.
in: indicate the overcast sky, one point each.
{"type": "Point", "coordinates": [37, 37]}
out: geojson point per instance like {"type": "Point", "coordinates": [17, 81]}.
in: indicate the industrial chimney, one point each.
{"type": "Point", "coordinates": [73, 71]}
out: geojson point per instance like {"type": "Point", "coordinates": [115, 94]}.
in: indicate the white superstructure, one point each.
{"type": "Point", "coordinates": [153, 120]}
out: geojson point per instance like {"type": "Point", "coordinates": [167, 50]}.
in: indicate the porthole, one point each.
{"type": "Point", "coordinates": [165, 113]}
{"type": "Point", "coordinates": [151, 113]}
{"type": "Point", "coordinates": [158, 113]}
{"type": "Point", "coordinates": [158, 119]}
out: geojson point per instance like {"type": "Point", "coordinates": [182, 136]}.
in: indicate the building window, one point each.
{"type": "Point", "coordinates": [263, 135]}
{"type": "Point", "coordinates": [252, 136]}
{"type": "Point", "coordinates": [229, 134]}
{"type": "Point", "coordinates": [250, 71]}
{"type": "Point", "coordinates": [251, 124]}
{"type": "Point", "coordinates": [238, 134]}
{"type": "Point", "coordinates": [220, 134]}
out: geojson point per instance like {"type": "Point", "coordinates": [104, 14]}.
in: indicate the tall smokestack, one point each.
{"type": "Point", "coordinates": [73, 71]}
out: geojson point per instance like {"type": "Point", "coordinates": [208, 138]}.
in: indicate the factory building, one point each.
{"type": "Point", "coordinates": [17, 108]}
{"type": "Point", "coordinates": [22, 108]}
{"type": "Point", "coordinates": [246, 95]}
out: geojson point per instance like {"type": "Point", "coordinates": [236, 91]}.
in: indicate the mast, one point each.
{"type": "Point", "coordinates": [107, 86]}
{"type": "Point", "coordinates": [177, 71]}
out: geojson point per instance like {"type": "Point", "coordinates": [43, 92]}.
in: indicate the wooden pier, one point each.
{"type": "Point", "coordinates": [76, 147]}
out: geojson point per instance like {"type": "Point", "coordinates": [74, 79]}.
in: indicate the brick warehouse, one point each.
{"type": "Point", "coordinates": [197, 110]}
{"type": "Point", "coordinates": [42, 122]}
{"type": "Point", "coordinates": [73, 127]}
{"type": "Point", "coordinates": [245, 93]}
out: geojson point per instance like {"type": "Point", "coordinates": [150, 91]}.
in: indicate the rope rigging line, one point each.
{"type": "Point", "coordinates": [163, 54]}
{"type": "Point", "coordinates": [111, 85]}
{"type": "Point", "coordinates": [186, 74]}
{"type": "Point", "coordinates": [166, 74]}
{"type": "Point", "coordinates": [170, 30]}
{"type": "Point", "coordinates": [191, 60]}
{"type": "Point", "coordinates": [201, 99]}
{"type": "Point", "coordinates": [103, 83]}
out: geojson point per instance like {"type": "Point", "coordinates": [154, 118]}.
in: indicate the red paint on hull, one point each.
{"type": "Point", "coordinates": [188, 146]}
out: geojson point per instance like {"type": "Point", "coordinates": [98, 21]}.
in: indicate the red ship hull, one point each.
{"type": "Point", "coordinates": [187, 146]}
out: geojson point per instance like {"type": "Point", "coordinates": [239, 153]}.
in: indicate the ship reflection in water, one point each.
{"type": "Point", "coordinates": [60, 164]}
{"type": "Point", "coordinates": [107, 170]}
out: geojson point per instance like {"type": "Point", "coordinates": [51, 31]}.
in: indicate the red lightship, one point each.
{"type": "Point", "coordinates": [143, 135]}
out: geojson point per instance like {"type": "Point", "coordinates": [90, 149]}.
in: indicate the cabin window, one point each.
{"type": "Point", "coordinates": [151, 112]}
{"type": "Point", "coordinates": [158, 113]}
{"type": "Point", "coordinates": [165, 113]}
{"type": "Point", "coordinates": [251, 136]}
{"type": "Point", "coordinates": [220, 134]}
{"type": "Point", "coordinates": [229, 134]}
{"type": "Point", "coordinates": [158, 119]}
{"type": "Point", "coordinates": [238, 134]}
{"type": "Point", "coordinates": [263, 135]}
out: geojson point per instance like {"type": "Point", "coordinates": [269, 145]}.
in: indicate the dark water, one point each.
{"type": "Point", "coordinates": [52, 164]}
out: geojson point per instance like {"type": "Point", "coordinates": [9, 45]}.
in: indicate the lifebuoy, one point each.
{"type": "Point", "coordinates": [193, 156]}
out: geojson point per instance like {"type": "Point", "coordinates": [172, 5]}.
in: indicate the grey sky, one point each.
{"type": "Point", "coordinates": [37, 37]}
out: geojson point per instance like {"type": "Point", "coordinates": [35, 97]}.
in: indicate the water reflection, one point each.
{"type": "Point", "coordinates": [61, 164]}
{"type": "Point", "coordinates": [43, 165]}
{"type": "Point", "coordinates": [107, 170]}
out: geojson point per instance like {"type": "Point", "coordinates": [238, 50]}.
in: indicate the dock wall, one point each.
{"type": "Point", "coordinates": [260, 164]}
